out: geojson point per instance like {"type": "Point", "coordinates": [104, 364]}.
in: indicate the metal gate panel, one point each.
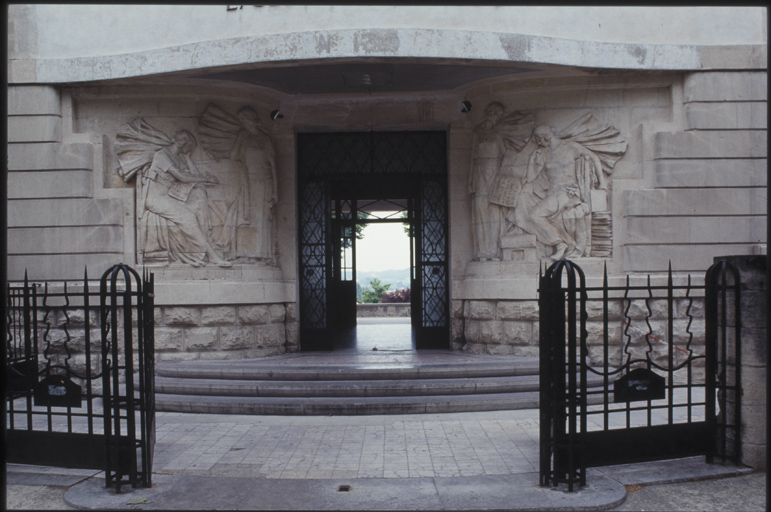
{"type": "Point", "coordinates": [314, 261]}
{"type": "Point", "coordinates": [71, 399]}
{"type": "Point", "coordinates": [660, 387]}
{"type": "Point", "coordinates": [432, 269]}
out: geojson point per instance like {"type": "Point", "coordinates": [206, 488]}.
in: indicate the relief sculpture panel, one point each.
{"type": "Point", "coordinates": [214, 211]}
{"type": "Point", "coordinates": [553, 205]}
{"type": "Point", "coordinates": [492, 138]}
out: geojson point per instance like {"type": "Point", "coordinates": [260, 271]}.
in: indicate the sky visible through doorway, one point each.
{"type": "Point", "coordinates": [384, 247]}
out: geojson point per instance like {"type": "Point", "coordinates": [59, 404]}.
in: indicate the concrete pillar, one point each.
{"type": "Point", "coordinates": [754, 339]}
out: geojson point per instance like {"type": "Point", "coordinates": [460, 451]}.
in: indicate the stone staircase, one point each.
{"type": "Point", "coordinates": [398, 382]}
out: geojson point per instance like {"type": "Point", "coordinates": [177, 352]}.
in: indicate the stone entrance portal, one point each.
{"type": "Point", "coordinates": [344, 176]}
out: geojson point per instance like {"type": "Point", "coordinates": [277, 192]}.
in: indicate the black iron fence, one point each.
{"type": "Point", "coordinates": [72, 356]}
{"type": "Point", "coordinates": [666, 357]}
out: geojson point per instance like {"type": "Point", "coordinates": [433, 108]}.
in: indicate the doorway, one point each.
{"type": "Point", "coordinates": [351, 179]}
{"type": "Point", "coordinates": [373, 265]}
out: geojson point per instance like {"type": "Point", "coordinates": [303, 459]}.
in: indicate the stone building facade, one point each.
{"type": "Point", "coordinates": [167, 137]}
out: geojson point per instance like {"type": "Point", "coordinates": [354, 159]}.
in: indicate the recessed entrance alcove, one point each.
{"type": "Point", "coordinates": [346, 178]}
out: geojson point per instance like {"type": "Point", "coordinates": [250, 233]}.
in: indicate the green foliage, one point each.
{"type": "Point", "coordinates": [378, 289]}
{"type": "Point", "coordinates": [405, 225]}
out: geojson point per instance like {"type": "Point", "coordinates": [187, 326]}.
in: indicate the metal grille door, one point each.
{"type": "Point", "coordinates": [432, 265]}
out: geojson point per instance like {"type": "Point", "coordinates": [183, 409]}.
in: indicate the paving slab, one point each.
{"type": "Point", "coordinates": [452, 461]}
{"type": "Point", "coordinates": [745, 493]}
{"type": "Point", "coordinates": [672, 471]}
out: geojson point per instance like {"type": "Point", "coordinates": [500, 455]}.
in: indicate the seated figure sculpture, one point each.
{"type": "Point", "coordinates": [560, 176]}
{"type": "Point", "coordinates": [172, 204]}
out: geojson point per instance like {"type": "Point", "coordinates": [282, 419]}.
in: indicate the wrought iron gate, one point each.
{"type": "Point", "coordinates": [72, 399]}
{"type": "Point", "coordinates": [667, 360]}
{"type": "Point", "coordinates": [408, 165]}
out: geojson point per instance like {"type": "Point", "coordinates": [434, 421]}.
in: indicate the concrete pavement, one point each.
{"type": "Point", "coordinates": [458, 461]}
{"type": "Point", "coordinates": [444, 461]}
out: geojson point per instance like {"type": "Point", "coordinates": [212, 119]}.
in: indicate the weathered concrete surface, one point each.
{"type": "Point", "coordinates": [113, 41]}
{"type": "Point", "coordinates": [37, 488]}
{"type": "Point", "coordinates": [745, 493]}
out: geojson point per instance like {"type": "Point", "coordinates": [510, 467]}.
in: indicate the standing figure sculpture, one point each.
{"type": "Point", "coordinates": [248, 226]}
{"type": "Point", "coordinates": [490, 141]}
{"type": "Point", "coordinates": [172, 203]}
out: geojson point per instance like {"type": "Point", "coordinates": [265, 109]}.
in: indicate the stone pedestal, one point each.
{"type": "Point", "coordinates": [519, 248]}
{"type": "Point", "coordinates": [754, 339]}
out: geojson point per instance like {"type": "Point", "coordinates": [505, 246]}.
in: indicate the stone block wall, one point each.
{"type": "Point", "coordinates": [709, 178]}
{"type": "Point", "coordinates": [506, 327]}
{"type": "Point", "coordinates": [224, 332]}
{"type": "Point", "coordinates": [181, 333]}
{"type": "Point", "coordinates": [496, 327]}
{"type": "Point", "coordinates": [753, 359]}
{"type": "Point", "coordinates": [56, 223]}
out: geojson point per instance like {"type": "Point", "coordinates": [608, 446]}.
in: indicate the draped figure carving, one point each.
{"type": "Point", "coordinates": [495, 135]}
{"type": "Point", "coordinates": [173, 214]}
{"type": "Point", "coordinates": [556, 204]}
{"type": "Point", "coordinates": [247, 223]}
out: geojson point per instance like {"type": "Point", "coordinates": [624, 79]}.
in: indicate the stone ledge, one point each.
{"type": "Point", "coordinates": [397, 42]}
{"type": "Point", "coordinates": [727, 116]}
{"type": "Point", "coordinates": [712, 173]}
{"type": "Point", "coordinates": [64, 212]}
{"type": "Point", "coordinates": [694, 202]}
{"type": "Point", "coordinates": [722, 86]}
{"type": "Point", "coordinates": [57, 240]}
{"type": "Point", "coordinates": [186, 273]}
{"type": "Point", "coordinates": [34, 129]}
{"type": "Point", "coordinates": [711, 144]}
{"type": "Point", "coordinates": [386, 309]}
{"type": "Point", "coordinates": [214, 293]}
{"type": "Point", "coordinates": [49, 184]}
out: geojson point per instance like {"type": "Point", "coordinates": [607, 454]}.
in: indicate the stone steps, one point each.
{"type": "Point", "coordinates": [348, 388]}
{"type": "Point", "coordinates": [387, 371]}
{"type": "Point", "coordinates": [346, 406]}
{"type": "Point", "coordinates": [302, 384]}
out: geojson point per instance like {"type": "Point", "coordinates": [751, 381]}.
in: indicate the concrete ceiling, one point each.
{"type": "Point", "coordinates": [360, 77]}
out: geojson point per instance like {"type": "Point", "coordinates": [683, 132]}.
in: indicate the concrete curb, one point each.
{"type": "Point", "coordinates": [483, 493]}
{"type": "Point", "coordinates": [606, 489]}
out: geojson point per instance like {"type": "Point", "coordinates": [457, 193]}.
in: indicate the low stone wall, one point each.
{"type": "Point", "coordinates": [181, 333]}
{"type": "Point", "coordinates": [224, 332]}
{"type": "Point", "coordinates": [507, 327]}
{"type": "Point", "coordinates": [495, 327]}
{"type": "Point", "coordinates": [397, 309]}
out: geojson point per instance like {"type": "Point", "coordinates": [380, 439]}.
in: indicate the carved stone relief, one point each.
{"type": "Point", "coordinates": [557, 206]}
{"type": "Point", "coordinates": [244, 144]}
{"type": "Point", "coordinates": [492, 138]}
{"type": "Point", "coordinates": [214, 212]}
